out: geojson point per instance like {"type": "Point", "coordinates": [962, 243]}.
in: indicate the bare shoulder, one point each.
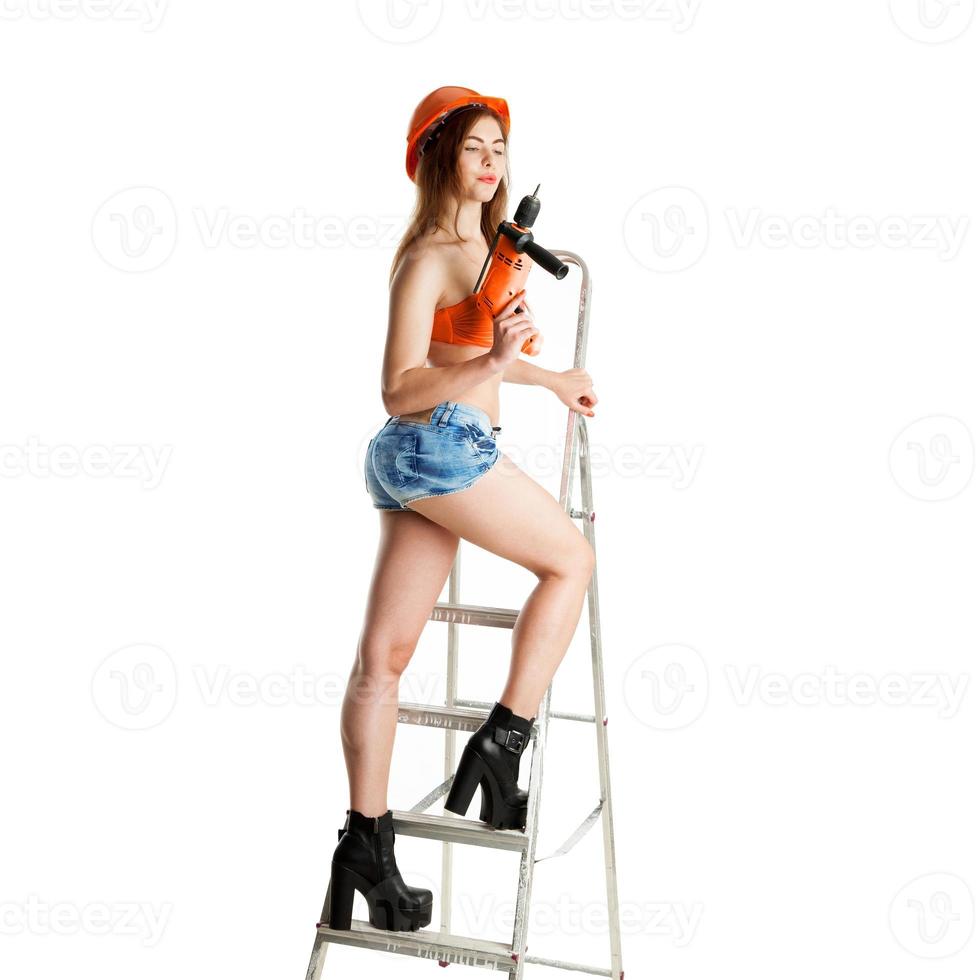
{"type": "Point", "coordinates": [421, 274]}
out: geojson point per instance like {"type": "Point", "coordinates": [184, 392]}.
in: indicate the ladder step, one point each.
{"type": "Point", "coordinates": [599, 971]}
{"type": "Point", "coordinates": [567, 715]}
{"type": "Point", "coordinates": [440, 716]}
{"type": "Point", "coordinates": [459, 612]}
{"type": "Point", "coordinates": [442, 946]}
{"type": "Point", "coordinates": [456, 830]}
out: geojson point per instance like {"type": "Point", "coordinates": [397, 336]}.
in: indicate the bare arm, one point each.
{"type": "Point", "coordinates": [573, 387]}
{"type": "Point", "coordinates": [525, 373]}
{"type": "Point", "coordinates": [407, 385]}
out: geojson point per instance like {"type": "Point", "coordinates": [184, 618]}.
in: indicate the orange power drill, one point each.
{"type": "Point", "coordinates": [508, 263]}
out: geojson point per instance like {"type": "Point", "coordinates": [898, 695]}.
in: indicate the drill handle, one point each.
{"type": "Point", "coordinates": [547, 260]}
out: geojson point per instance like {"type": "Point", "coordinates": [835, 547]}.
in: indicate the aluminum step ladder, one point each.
{"type": "Point", "coordinates": [458, 715]}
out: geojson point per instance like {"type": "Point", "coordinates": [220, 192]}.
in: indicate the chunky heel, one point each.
{"type": "Point", "coordinates": [468, 775]}
{"type": "Point", "coordinates": [492, 758]}
{"type": "Point", "coordinates": [365, 860]}
{"type": "Point", "coordinates": [340, 896]}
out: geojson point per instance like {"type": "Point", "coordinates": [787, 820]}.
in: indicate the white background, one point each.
{"type": "Point", "coordinates": [776, 202]}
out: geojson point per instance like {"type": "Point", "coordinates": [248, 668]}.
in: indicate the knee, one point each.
{"type": "Point", "coordinates": [574, 560]}
{"type": "Point", "coordinates": [585, 561]}
{"type": "Point", "coordinates": [382, 658]}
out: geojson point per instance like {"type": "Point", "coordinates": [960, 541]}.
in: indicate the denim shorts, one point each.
{"type": "Point", "coordinates": [407, 461]}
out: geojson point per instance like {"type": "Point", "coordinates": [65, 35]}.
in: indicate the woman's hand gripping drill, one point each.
{"type": "Point", "coordinates": [511, 330]}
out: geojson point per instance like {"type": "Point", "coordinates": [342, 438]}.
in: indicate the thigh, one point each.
{"type": "Point", "coordinates": [510, 514]}
{"type": "Point", "coordinates": [414, 558]}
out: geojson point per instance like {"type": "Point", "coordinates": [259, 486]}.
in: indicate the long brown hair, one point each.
{"type": "Point", "coordinates": [438, 186]}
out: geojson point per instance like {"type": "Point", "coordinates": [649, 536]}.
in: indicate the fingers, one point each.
{"type": "Point", "coordinates": [526, 339]}
{"type": "Point", "coordinates": [513, 304]}
{"type": "Point", "coordinates": [532, 346]}
{"type": "Point", "coordinates": [527, 307]}
{"type": "Point", "coordinates": [517, 323]}
{"type": "Point", "coordinates": [519, 327]}
{"type": "Point", "coordinates": [588, 401]}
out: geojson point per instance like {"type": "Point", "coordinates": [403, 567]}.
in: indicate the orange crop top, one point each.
{"type": "Point", "coordinates": [467, 322]}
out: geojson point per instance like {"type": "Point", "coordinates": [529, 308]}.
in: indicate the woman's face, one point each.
{"type": "Point", "coordinates": [482, 156]}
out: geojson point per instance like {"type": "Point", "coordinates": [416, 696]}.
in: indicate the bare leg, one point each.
{"type": "Point", "coordinates": [510, 514]}
{"type": "Point", "coordinates": [414, 559]}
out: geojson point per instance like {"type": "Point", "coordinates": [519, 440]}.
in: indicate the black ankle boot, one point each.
{"type": "Point", "coordinates": [365, 860]}
{"type": "Point", "coordinates": [492, 758]}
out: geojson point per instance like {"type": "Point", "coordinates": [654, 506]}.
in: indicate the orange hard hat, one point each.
{"type": "Point", "coordinates": [436, 108]}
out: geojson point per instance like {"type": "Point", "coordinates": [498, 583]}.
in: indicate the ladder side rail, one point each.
{"type": "Point", "coordinates": [578, 361]}
{"type": "Point", "coordinates": [537, 759]}
{"type": "Point", "coordinates": [317, 957]}
{"type": "Point", "coordinates": [527, 859]}
{"type": "Point", "coordinates": [449, 756]}
{"type": "Point", "coordinates": [526, 872]}
{"type": "Point", "coordinates": [601, 729]}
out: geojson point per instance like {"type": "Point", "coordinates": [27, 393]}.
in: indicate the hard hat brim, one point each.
{"type": "Point", "coordinates": [431, 121]}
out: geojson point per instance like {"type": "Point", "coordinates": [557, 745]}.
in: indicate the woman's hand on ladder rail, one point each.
{"type": "Point", "coordinates": [574, 389]}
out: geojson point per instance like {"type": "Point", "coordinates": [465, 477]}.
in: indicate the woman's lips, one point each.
{"type": "Point", "coordinates": [489, 180]}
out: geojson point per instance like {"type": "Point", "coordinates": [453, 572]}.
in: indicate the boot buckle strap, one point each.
{"type": "Point", "coordinates": [511, 740]}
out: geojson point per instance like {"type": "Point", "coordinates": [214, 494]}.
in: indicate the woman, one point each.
{"type": "Point", "coordinates": [435, 474]}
